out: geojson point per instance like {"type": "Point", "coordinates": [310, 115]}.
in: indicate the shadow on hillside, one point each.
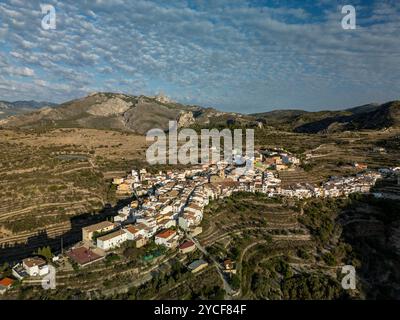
{"type": "Point", "coordinates": [371, 226]}
{"type": "Point", "coordinates": [15, 252]}
{"type": "Point", "coordinates": [323, 124]}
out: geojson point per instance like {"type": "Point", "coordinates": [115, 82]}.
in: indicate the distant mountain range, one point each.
{"type": "Point", "coordinates": [140, 114]}
{"type": "Point", "coordinates": [19, 107]}
{"type": "Point", "coordinates": [25, 104]}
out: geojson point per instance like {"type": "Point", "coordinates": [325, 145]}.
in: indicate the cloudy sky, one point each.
{"type": "Point", "coordinates": [245, 56]}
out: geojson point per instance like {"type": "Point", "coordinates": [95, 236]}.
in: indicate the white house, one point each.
{"type": "Point", "coordinates": [135, 175]}
{"type": "Point", "coordinates": [166, 223]}
{"type": "Point", "coordinates": [168, 238]}
{"type": "Point", "coordinates": [5, 284]}
{"type": "Point", "coordinates": [112, 240]}
{"type": "Point", "coordinates": [178, 205]}
{"type": "Point", "coordinates": [194, 208]}
{"type": "Point", "coordinates": [133, 233]}
{"type": "Point", "coordinates": [151, 231]}
{"type": "Point", "coordinates": [188, 220]}
{"type": "Point", "coordinates": [35, 266]}
{"type": "Point", "coordinates": [123, 214]}
{"type": "Point", "coordinates": [148, 221]}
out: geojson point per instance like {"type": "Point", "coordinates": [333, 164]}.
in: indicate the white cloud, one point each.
{"type": "Point", "coordinates": [16, 71]}
{"type": "Point", "coordinates": [228, 53]}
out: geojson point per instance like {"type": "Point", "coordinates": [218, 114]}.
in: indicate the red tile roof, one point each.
{"type": "Point", "coordinates": [166, 234]}
{"type": "Point", "coordinates": [6, 282]}
{"type": "Point", "coordinates": [186, 244]}
{"type": "Point", "coordinates": [35, 261]}
{"type": "Point", "coordinates": [83, 255]}
{"type": "Point", "coordinates": [132, 229]}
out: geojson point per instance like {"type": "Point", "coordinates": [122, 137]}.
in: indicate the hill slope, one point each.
{"type": "Point", "coordinates": [369, 116]}
{"type": "Point", "coordinates": [375, 118]}
{"type": "Point", "coordinates": [100, 110]}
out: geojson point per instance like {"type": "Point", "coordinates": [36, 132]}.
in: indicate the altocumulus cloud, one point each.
{"type": "Point", "coordinates": [234, 55]}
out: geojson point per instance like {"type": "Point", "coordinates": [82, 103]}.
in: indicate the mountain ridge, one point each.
{"type": "Point", "coordinates": [111, 110]}
{"type": "Point", "coordinates": [373, 118]}
{"type": "Point", "coordinates": [139, 114]}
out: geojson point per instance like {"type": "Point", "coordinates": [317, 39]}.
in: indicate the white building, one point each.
{"type": "Point", "coordinates": [148, 221]}
{"type": "Point", "coordinates": [189, 220]}
{"type": "Point", "coordinates": [166, 223]}
{"type": "Point", "coordinates": [167, 238]}
{"type": "Point", "coordinates": [194, 208]}
{"type": "Point", "coordinates": [166, 209]}
{"type": "Point", "coordinates": [133, 233]}
{"type": "Point", "coordinates": [112, 240]}
{"type": "Point", "coordinates": [35, 266]}
{"type": "Point", "coordinates": [135, 176]}
{"type": "Point", "coordinates": [123, 214]}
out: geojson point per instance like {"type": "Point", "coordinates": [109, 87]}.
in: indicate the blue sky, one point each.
{"type": "Point", "coordinates": [243, 56]}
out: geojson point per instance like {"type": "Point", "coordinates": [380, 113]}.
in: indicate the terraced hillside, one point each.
{"type": "Point", "coordinates": [324, 156]}
{"type": "Point", "coordinates": [277, 256]}
{"type": "Point", "coordinates": [290, 178]}
{"type": "Point", "coordinates": [48, 179]}
{"type": "Point", "coordinates": [295, 250]}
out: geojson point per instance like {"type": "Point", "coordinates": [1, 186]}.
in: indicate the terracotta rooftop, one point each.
{"type": "Point", "coordinates": [35, 261]}
{"type": "Point", "coordinates": [132, 229]}
{"type": "Point", "coordinates": [83, 255]}
{"type": "Point", "coordinates": [166, 234]}
{"type": "Point", "coordinates": [6, 282]}
{"type": "Point", "coordinates": [186, 244]}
